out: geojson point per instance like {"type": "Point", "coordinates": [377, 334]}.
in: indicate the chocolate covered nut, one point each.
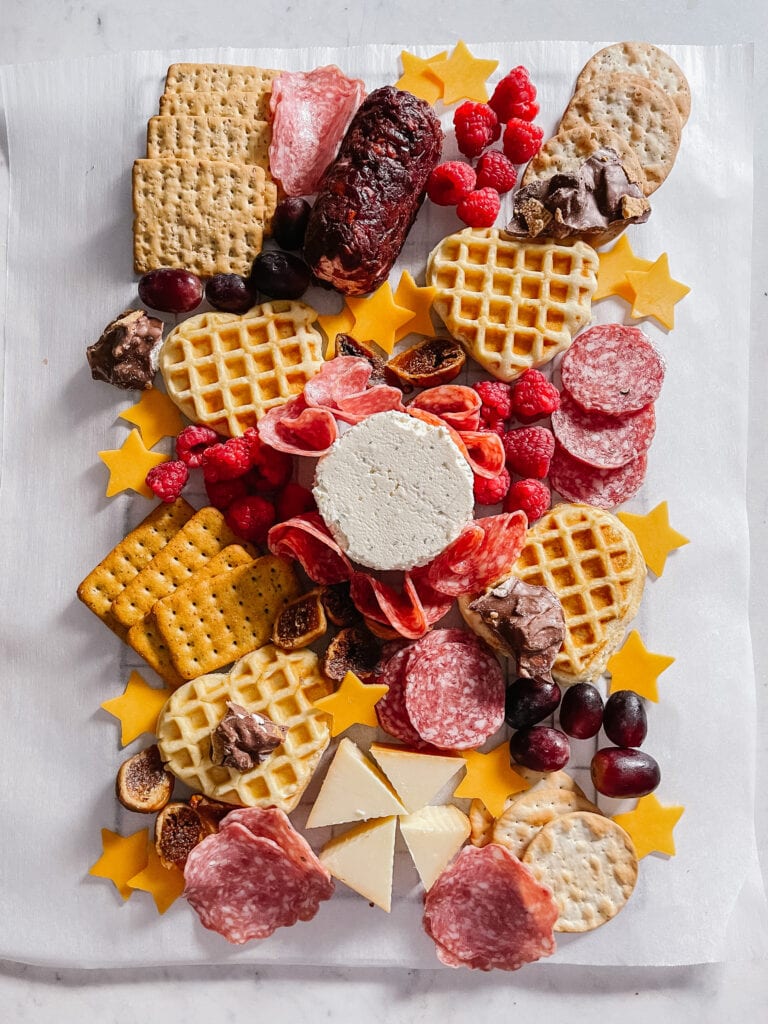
{"type": "Point", "coordinates": [143, 784]}
{"type": "Point", "coordinates": [126, 353]}
{"type": "Point", "coordinates": [243, 739]}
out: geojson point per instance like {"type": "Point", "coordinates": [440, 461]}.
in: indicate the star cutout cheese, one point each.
{"type": "Point", "coordinates": [636, 668]}
{"type": "Point", "coordinates": [378, 317]}
{"type": "Point", "coordinates": [612, 274]}
{"type": "Point", "coordinates": [656, 292]}
{"type": "Point", "coordinates": [418, 77]}
{"type": "Point", "coordinates": [165, 885]}
{"type": "Point", "coordinates": [123, 857]}
{"type": "Point", "coordinates": [463, 76]}
{"type": "Point", "coordinates": [128, 466]}
{"type": "Point", "coordinates": [352, 704]}
{"type": "Point", "coordinates": [155, 415]}
{"type": "Point", "coordinates": [650, 825]}
{"type": "Point", "coordinates": [333, 324]}
{"type": "Point", "coordinates": [654, 535]}
{"type": "Point", "coordinates": [490, 778]}
{"type": "Point", "coordinates": [137, 708]}
{"type": "Point", "coordinates": [419, 301]}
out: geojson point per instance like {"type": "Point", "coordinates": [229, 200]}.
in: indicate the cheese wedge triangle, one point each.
{"type": "Point", "coordinates": [433, 835]}
{"type": "Point", "coordinates": [363, 859]}
{"type": "Point", "coordinates": [416, 777]}
{"type": "Point", "coordinates": [353, 790]}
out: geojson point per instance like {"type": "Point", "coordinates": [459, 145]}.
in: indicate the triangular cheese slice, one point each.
{"type": "Point", "coordinates": [363, 858]}
{"type": "Point", "coordinates": [434, 835]}
{"type": "Point", "coordinates": [353, 790]}
{"type": "Point", "coordinates": [416, 777]}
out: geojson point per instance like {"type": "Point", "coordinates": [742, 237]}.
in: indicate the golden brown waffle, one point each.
{"type": "Point", "coordinates": [218, 78]}
{"type": "Point", "coordinates": [253, 105]}
{"type": "Point", "coordinates": [513, 305]}
{"type": "Point", "coordinates": [234, 139]}
{"type": "Point", "coordinates": [281, 685]}
{"type": "Point", "coordinates": [593, 564]}
{"type": "Point", "coordinates": [226, 371]}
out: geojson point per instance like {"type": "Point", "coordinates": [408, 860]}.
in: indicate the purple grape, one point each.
{"type": "Point", "coordinates": [230, 293]}
{"type": "Point", "coordinates": [624, 772]}
{"type": "Point", "coordinates": [540, 748]}
{"type": "Point", "coordinates": [529, 701]}
{"type": "Point", "coordinates": [624, 719]}
{"type": "Point", "coordinates": [289, 222]}
{"type": "Point", "coordinates": [171, 291]}
{"type": "Point", "coordinates": [581, 712]}
{"type": "Point", "coordinates": [280, 275]}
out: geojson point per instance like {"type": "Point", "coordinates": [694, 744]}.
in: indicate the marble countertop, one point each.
{"type": "Point", "coordinates": [51, 29]}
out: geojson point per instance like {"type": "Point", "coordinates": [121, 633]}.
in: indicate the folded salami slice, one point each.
{"type": "Point", "coordinates": [612, 369]}
{"type": "Point", "coordinates": [337, 379]}
{"type": "Point", "coordinates": [486, 910]}
{"type": "Point", "coordinates": [297, 429]}
{"type": "Point", "coordinates": [307, 539]}
{"type": "Point", "coordinates": [403, 611]}
{"type": "Point", "coordinates": [605, 488]}
{"type": "Point", "coordinates": [490, 454]}
{"type": "Point", "coordinates": [606, 442]}
{"type": "Point", "coordinates": [379, 398]}
{"type": "Point", "coordinates": [480, 555]}
{"type": "Point", "coordinates": [455, 404]}
{"type": "Point", "coordinates": [390, 710]}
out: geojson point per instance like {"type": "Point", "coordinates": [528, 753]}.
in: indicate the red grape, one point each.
{"type": "Point", "coordinates": [624, 719]}
{"type": "Point", "coordinates": [529, 701]}
{"type": "Point", "coordinates": [540, 748]}
{"type": "Point", "coordinates": [581, 713]}
{"type": "Point", "coordinates": [230, 293]}
{"type": "Point", "coordinates": [289, 222]}
{"type": "Point", "coordinates": [171, 291]}
{"type": "Point", "coordinates": [281, 275]}
{"type": "Point", "coordinates": [623, 772]}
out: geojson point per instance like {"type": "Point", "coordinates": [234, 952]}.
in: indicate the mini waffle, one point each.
{"type": "Point", "coordinates": [513, 305]}
{"type": "Point", "coordinates": [226, 371]}
{"type": "Point", "coordinates": [281, 685]}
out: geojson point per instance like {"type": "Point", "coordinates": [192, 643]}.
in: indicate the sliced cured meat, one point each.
{"type": "Point", "coordinates": [455, 404]}
{"type": "Point", "coordinates": [379, 398]}
{"type": "Point", "coordinates": [612, 369]}
{"type": "Point", "coordinates": [484, 452]}
{"type": "Point", "coordinates": [435, 604]}
{"type": "Point", "coordinates": [454, 694]}
{"type": "Point", "coordinates": [311, 110]}
{"type": "Point", "coordinates": [297, 429]}
{"type": "Point", "coordinates": [337, 379]}
{"type": "Point", "coordinates": [606, 442]}
{"type": "Point", "coordinates": [380, 602]}
{"type": "Point", "coordinates": [487, 910]}
{"type": "Point", "coordinates": [307, 539]}
{"type": "Point", "coordinates": [390, 710]}
{"type": "Point", "coordinates": [482, 553]}
{"type": "Point", "coordinates": [605, 488]}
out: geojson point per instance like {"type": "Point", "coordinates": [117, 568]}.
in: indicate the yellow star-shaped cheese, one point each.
{"type": "Point", "coordinates": [128, 466]}
{"type": "Point", "coordinates": [418, 77]}
{"type": "Point", "coordinates": [122, 858]}
{"type": "Point", "coordinates": [490, 778]}
{"type": "Point", "coordinates": [636, 668]}
{"type": "Point", "coordinates": [612, 273]}
{"type": "Point", "coordinates": [155, 415]}
{"type": "Point", "coordinates": [654, 535]}
{"type": "Point", "coordinates": [656, 292]}
{"type": "Point", "coordinates": [137, 708]}
{"type": "Point", "coordinates": [352, 704]}
{"type": "Point", "coordinates": [378, 317]}
{"type": "Point", "coordinates": [419, 300]}
{"type": "Point", "coordinates": [463, 76]}
{"type": "Point", "coordinates": [650, 825]}
{"type": "Point", "coordinates": [333, 324]}
{"type": "Point", "coordinates": [165, 885]}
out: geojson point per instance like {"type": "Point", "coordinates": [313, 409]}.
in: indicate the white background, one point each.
{"type": "Point", "coordinates": [48, 30]}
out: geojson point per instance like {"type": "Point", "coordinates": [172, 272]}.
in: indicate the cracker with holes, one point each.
{"type": "Point", "coordinates": [528, 812]}
{"type": "Point", "coordinates": [234, 139]}
{"type": "Point", "coordinates": [218, 78]}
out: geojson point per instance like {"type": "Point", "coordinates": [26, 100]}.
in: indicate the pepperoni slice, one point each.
{"type": "Point", "coordinates": [297, 429]}
{"type": "Point", "coordinates": [307, 539]}
{"type": "Point", "coordinates": [487, 910]}
{"type": "Point", "coordinates": [337, 379]}
{"type": "Point", "coordinates": [606, 442]}
{"type": "Point", "coordinates": [455, 404]}
{"type": "Point", "coordinates": [605, 488]}
{"type": "Point", "coordinates": [480, 555]}
{"type": "Point", "coordinates": [612, 369]}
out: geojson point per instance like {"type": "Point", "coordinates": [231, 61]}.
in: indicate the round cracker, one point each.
{"type": "Point", "coordinates": [567, 150]}
{"type": "Point", "coordinates": [637, 110]}
{"type": "Point", "coordinates": [528, 812]}
{"type": "Point", "coordinates": [642, 59]}
{"type": "Point", "coordinates": [589, 863]}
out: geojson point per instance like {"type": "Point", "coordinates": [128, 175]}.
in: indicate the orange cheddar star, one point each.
{"type": "Point", "coordinates": [636, 668]}
{"type": "Point", "coordinates": [656, 293]}
{"type": "Point", "coordinates": [463, 76]}
{"type": "Point", "coordinates": [121, 859]}
{"type": "Point", "coordinates": [155, 415]}
{"type": "Point", "coordinates": [490, 778]}
{"type": "Point", "coordinates": [165, 885]}
{"type": "Point", "coordinates": [137, 708]}
{"type": "Point", "coordinates": [419, 78]}
{"type": "Point", "coordinates": [612, 272]}
{"type": "Point", "coordinates": [352, 704]}
{"type": "Point", "coordinates": [654, 535]}
{"type": "Point", "coordinates": [419, 300]}
{"type": "Point", "coordinates": [378, 317]}
{"type": "Point", "coordinates": [128, 466]}
{"type": "Point", "coordinates": [650, 825]}
{"type": "Point", "coordinates": [333, 324]}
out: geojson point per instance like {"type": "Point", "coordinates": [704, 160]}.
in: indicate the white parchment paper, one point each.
{"type": "Point", "coordinates": [73, 131]}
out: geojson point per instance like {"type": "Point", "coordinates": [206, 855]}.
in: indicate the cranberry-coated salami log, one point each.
{"type": "Point", "coordinates": [370, 195]}
{"type": "Point", "coordinates": [612, 369]}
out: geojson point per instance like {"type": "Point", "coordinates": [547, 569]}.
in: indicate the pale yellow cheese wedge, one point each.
{"type": "Point", "coordinates": [353, 790]}
{"type": "Point", "coordinates": [434, 835]}
{"type": "Point", "coordinates": [363, 859]}
{"type": "Point", "coordinates": [416, 777]}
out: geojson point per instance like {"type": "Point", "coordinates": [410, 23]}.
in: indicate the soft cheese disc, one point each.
{"type": "Point", "coordinates": [394, 491]}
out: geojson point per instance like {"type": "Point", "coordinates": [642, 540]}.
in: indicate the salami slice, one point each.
{"type": "Point", "coordinates": [307, 539]}
{"type": "Point", "coordinates": [480, 555]}
{"type": "Point", "coordinates": [485, 452]}
{"type": "Point", "coordinates": [612, 369]}
{"type": "Point", "coordinates": [606, 442]}
{"type": "Point", "coordinates": [435, 604]}
{"type": "Point", "coordinates": [382, 603]}
{"type": "Point", "coordinates": [605, 488]}
{"type": "Point", "coordinates": [455, 404]}
{"type": "Point", "coordinates": [379, 398]}
{"type": "Point", "coordinates": [297, 429]}
{"type": "Point", "coordinates": [390, 710]}
{"type": "Point", "coordinates": [454, 694]}
{"type": "Point", "coordinates": [487, 910]}
{"type": "Point", "coordinates": [337, 379]}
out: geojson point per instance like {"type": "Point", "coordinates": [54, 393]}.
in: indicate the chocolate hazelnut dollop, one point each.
{"type": "Point", "coordinates": [243, 739]}
{"type": "Point", "coordinates": [126, 353]}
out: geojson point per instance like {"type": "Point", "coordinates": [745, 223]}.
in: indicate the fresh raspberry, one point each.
{"type": "Point", "coordinates": [227, 460]}
{"type": "Point", "coordinates": [476, 127]}
{"type": "Point", "coordinates": [491, 491]}
{"type": "Point", "coordinates": [522, 140]}
{"type": "Point", "coordinates": [275, 468]}
{"type": "Point", "coordinates": [221, 493]}
{"type": "Point", "coordinates": [250, 517]}
{"type": "Point", "coordinates": [490, 420]}
{"type": "Point", "coordinates": [167, 480]}
{"type": "Point", "coordinates": [533, 397]}
{"type": "Point", "coordinates": [192, 442]}
{"type": "Point", "coordinates": [529, 496]}
{"type": "Point", "coordinates": [293, 500]}
{"type": "Point", "coordinates": [480, 209]}
{"type": "Point", "coordinates": [514, 96]}
{"type": "Point", "coordinates": [529, 451]}
{"type": "Point", "coordinates": [497, 396]}
{"type": "Point", "coordinates": [450, 182]}
{"type": "Point", "coordinates": [494, 170]}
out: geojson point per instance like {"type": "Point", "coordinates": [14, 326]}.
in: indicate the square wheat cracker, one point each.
{"type": "Point", "coordinates": [237, 140]}
{"type": "Point", "coordinates": [218, 78]}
